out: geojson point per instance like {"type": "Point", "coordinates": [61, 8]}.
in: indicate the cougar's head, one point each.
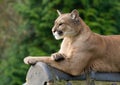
{"type": "Point", "coordinates": [66, 25]}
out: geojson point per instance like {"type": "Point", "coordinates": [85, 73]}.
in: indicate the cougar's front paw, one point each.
{"type": "Point", "coordinates": [30, 60]}
{"type": "Point", "coordinates": [57, 57]}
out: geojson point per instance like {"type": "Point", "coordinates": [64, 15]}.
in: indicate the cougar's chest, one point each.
{"type": "Point", "coordinates": [69, 48]}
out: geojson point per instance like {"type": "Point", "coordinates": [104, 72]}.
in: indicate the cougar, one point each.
{"type": "Point", "coordinates": [81, 49]}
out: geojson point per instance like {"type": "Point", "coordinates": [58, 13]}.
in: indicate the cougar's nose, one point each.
{"type": "Point", "coordinates": [54, 29]}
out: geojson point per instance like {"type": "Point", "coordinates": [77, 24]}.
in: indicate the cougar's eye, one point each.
{"type": "Point", "coordinates": [60, 24]}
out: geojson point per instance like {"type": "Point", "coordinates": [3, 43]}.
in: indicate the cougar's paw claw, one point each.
{"type": "Point", "coordinates": [57, 57]}
{"type": "Point", "coordinates": [29, 60]}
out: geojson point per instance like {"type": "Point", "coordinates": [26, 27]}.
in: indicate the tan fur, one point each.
{"type": "Point", "coordinates": [81, 48]}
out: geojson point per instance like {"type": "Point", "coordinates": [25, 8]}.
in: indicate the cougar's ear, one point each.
{"type": "Point", "coordinates": [59, 13]}
{"type": "Point", "coordinates": [74, 14]}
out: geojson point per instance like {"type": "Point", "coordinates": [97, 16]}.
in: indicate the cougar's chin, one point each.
{"type": "Point", "coordinates": [57, 36]}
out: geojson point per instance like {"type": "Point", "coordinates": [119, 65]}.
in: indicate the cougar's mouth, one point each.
{"type": "Point", "coordinates": [58, 35]}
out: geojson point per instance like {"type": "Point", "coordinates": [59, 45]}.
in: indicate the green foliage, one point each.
{"type": "Point", "coordinates": [34, 37]}
{"type": "Point", "coordinates": [41, 15]}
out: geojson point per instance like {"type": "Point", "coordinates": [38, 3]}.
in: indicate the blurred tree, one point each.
{"type": "Point", "coordinates": [25, 29]}
{"type": "Point", "coordinates": [12, 32]}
